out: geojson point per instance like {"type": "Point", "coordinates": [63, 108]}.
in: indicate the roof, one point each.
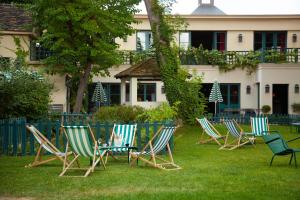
{"type": "Point", "coordinates": [207, 9]}
{"type": "Point", "coordinates": [14, 18]}
{"type": "Point", "coordinates": [148, 68]}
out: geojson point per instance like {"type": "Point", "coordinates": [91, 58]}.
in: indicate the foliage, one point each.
{"type": "Point", "coordinates": [17, 1]}
{"type": "Point", "coordinates": [265, 109]}
{"type": "Point", "coordinates": [177, 86]}
{"type": "Point", "coordinates": [296, 107]}
{"type": "Point", "coordinates": [81, 34]}
{"type": "Point", "coordinates": [121, 113]}
{"type": "Point", "coordinates": [24, 94]}
{"type": "Point", "coordinates": [163, 112]}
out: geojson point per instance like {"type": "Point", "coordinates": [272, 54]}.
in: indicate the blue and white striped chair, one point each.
{"type": "Point", "coordinates": [159, 142]}
{"type": "Point", "coordinates": [83, 143]}
{"type": "Point", "coordinates": [44, 144]}
{"type": "Point", "coordinates": [210, 130]}
{"type": "Point", "coordinates": [237, 133]}
{"type": "Point", "coordinates": [121, 140]}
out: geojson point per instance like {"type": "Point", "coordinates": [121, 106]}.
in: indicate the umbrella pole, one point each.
{"type": "Point", "coordinates": [215, 108]}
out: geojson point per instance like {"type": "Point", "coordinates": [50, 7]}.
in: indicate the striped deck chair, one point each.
{"type": "Point", "coordinates": [121, 140]}
{"type": "Point", "coordinates": [259, 126]}
{"type": "Point", "coordinates": [44, 144]}
{"type": "Point", "coordinates": [237, 133]}
{"type": "Point", "coordinates": [156, 144]}
{"type": "Point", "coordinates": [210, 130]}
{"type": "Point", "coordinates": [83, 143]}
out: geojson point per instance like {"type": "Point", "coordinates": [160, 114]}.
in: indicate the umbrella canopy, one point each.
{"type": "Point", "coordinates": [215, 95]}
{"type": "Point", "coordinates": [99, 94]}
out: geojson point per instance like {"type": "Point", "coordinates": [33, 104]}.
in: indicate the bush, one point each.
{"type": "Point", "coordinates": [24, 94]}
{"type": "Point", "coordinates": [296, 107]}
{"type": "Point", "coordinates": [265, 109]}
{"type": "Point", "coordinates": [163, 112]}
{"type": "Point", "coordinates": [118, 113]}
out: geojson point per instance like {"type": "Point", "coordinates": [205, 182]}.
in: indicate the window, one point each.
{"type": "Point", "coordinates": [184, 40]}
{"type": "Point", "coordinates": [219, 41]}
{"type": "Point", "coordinates": [37, 52]}
{"type": "Point", "coordinates": [113, 93]}
{"type": "Point", "coordinates": [144, 40]}
{"type": "Point", "coordinates": [265, 40]}
{"type": "Point", "coordinates": [146, 92]}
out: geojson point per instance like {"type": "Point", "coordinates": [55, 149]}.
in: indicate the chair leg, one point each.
{"type": "Point", "coordinates": [272, 160]}
{"type": "Point", "coordinates": [295, 159]}
{"type": "Point", "coordinates": [291, 159]}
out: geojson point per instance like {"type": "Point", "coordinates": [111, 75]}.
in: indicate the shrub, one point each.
{"type": "Point", "coordinates": [24, 94]}
{"type": "Point", "coordinates": [163, 112]}
{"type": "Point", "coordinates": [265, 109]}
{"type": "Point", "coordinates": [118, 113]}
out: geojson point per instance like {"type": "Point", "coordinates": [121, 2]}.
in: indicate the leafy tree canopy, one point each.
{"type": "Point", "coordinates": [81, 34]}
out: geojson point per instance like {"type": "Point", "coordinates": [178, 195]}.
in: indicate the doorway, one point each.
{"type": "Point", "coordinates": [280, 98]}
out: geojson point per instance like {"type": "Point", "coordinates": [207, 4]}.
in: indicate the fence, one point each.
{"type": "Point", "coordinates": [16, 140]}
{"type": "Point", "coordinates": [245, 119]}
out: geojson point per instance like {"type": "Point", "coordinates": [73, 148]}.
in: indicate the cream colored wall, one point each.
{"type": "Point", "coordinates": [59, 92]}
{"type": "Point", "coordinates": [234, 45]}
{"type": "Point", "coordinates": [278, 74]}
{"type": "Point", "coordinates": [8, 47]}
{"type": "Point", "coordinates": [210, 74]}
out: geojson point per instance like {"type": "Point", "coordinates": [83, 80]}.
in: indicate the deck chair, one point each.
{"type": "Point", "coordinates": [44, 144]}
{"type": "Point", "coordinates": [237, 133]}
{"type": "Point", "coordinates": [149, 154]}
{"type": "Point", "coordinates": [121, 140]}
{"type": "Point", "coordinates": [210, 130]}
{"type": "Point", "coordinates": [83, 143]}
{"type": "Point", "coordinates": [279, 147]}
{"type": "Point", "coordinates": [259, 126]}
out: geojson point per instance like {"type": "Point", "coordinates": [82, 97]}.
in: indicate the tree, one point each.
{"type": "Point", "coordinates": [177, 87]}
{"type": "Point", "coordinates": [81, 34]}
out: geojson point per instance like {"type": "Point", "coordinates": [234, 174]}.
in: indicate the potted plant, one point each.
{"type": "Point", "coordinates": [266, 109]}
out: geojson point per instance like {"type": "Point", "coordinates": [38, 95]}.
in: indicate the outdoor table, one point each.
{"type": "Point", "coordinates": [120, 147]}
{"type": "Point", "coordinates": [297, 125]}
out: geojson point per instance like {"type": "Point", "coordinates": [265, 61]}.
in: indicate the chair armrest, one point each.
{"type": "Point", "coordinates": [293, 139]}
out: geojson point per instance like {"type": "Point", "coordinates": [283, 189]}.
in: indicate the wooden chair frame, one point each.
{"type": "Point", "coordinates": [203, 141]}
{"type": "Point", "coordinates": [57, 154]}
{"type": "Point", "coordinates": [237, 142]}
{"type": "Point", "coordinates": [95, 160]}
{"type": "Point", "coordinates": [155, 160]}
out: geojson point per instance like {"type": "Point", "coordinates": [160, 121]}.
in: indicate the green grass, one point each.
{"type": "Point", "coordinates": [207, 174]}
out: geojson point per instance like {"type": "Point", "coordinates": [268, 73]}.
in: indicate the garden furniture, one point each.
{"type": "Point", "coordinates": [210, 130]}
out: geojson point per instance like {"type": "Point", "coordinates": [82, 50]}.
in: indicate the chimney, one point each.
{"type": "Point", "coordinates": [211, 2]}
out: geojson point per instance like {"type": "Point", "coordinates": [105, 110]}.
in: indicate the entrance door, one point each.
{"type": "Point", "coordinates": [231, 97]}
{"type": "Point", "coordinates": [280, 98]}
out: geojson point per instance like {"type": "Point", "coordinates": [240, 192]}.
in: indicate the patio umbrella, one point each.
{"type": "Point", "coordinates": [215, 95]}
{"type": "Point", "coordinates": [99, 95]}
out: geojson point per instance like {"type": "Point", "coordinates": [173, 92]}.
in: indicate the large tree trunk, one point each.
{"type": "Point", "coordinates": [81, 87]}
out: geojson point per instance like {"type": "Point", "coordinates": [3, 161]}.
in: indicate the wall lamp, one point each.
{"type": "Point", "coordinates": [240, 38]}
{"type": "Point", "coordinates": [267, 89]}
{"type": "Point", "coordinates": [294, 37]}
{"type": "Point", "coordinates": [248, 89]}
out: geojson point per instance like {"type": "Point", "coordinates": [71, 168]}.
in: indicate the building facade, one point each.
{"type": "Point", "coordinates": [273, 83]}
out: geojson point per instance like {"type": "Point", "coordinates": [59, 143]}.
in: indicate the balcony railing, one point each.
{"type": "Point", "coordinates": [196, 56]}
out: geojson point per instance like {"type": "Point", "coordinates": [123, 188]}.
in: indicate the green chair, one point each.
{"type": "Point", "coordinates": [83, 143]}
{"type": "Point", "coordinates": [279, 147]}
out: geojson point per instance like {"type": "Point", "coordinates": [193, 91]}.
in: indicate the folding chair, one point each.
{"type": "Point", "coordinates": [44, 144]}
{"type": "Point", "coordinates": [121, 140]}
{"type": "Point", "coordinates": [149, 154]}
{"type": "Point", "coordinates": [259, 126]}
{"type": "Point", "coordinates": [237, 133]}
{"type": "Point", "coordinates": [83, 143]}
{"type": "Point", "coordinates": [210, 130]}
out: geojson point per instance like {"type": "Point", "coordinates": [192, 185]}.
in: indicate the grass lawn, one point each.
{"type": "Point", "coordinates": [207, 174]}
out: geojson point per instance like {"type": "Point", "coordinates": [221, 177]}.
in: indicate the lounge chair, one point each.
{"type": "Point", "coordinates": [210, 130]}
{"type": "Point", "coordinates": [149, 154]}
{"type": "Point", "coordinates": [279, 147]}
{"type": "Point", "coordinates": [237, 133]}
{"type": "Point", "coordinates": [83, 143]}
{"type": "Point", "coordinates": [44, 144]}
{"type": "Point", "coordinates": [121, 140]}
{"type": "Point", "coordinates": [259, 126]}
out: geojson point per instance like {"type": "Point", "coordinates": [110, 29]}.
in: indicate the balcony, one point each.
{"type": "Point", "coordinates": [196, 56]}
